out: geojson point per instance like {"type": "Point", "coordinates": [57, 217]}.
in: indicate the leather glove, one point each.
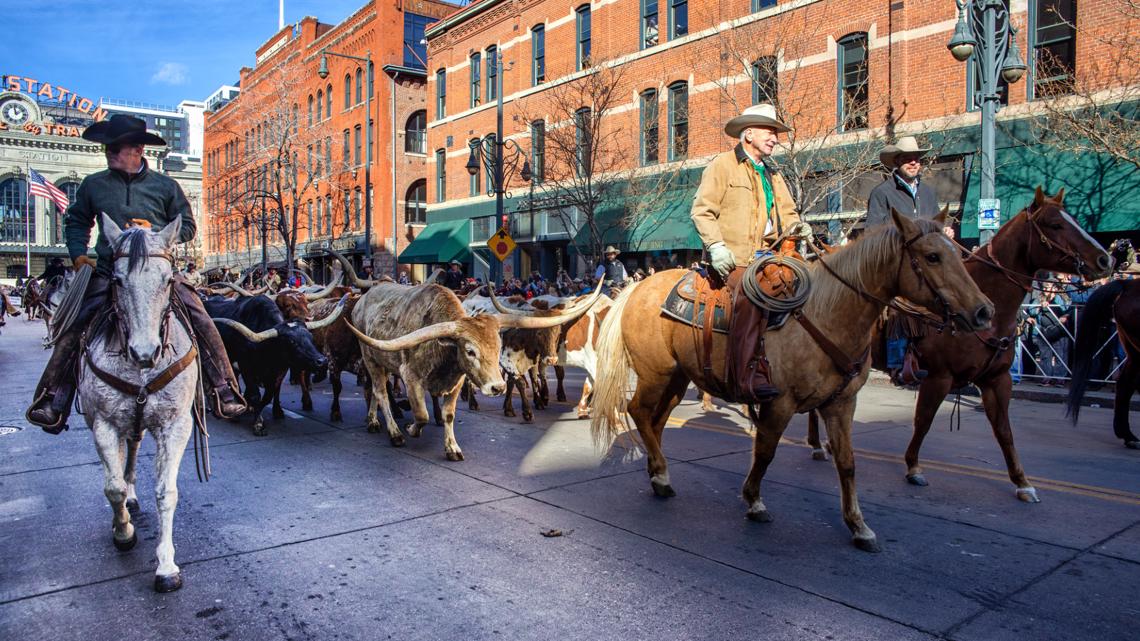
{"type": "Point", "coordinates": [80, 261]}
{"type": "Point", "coordinates": [722, 259]}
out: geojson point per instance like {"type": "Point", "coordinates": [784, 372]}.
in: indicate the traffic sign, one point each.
{"type": "Point", "coordinates": [989, 213]}
{"type": "Point", "coordinates": [501, 244]}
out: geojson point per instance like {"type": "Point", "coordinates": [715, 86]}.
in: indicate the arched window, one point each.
{"type": "Point", "coordinates": [328, 101]}
{"type": "Point", "coordinates": [415, 203]}
{"type": "Point", "coordinates": [320, 104]}
{"type": "Point", "coordinates": [359, 86]}
{"type": "Point", "coordinates": [310, 111]}
{"type": "Point", "coordinates": [70, 188]}
{"type": "Point", "coordinates": [415, 133]}
{"type": "Point", "coordinates": [347, 91]}
{"type": "Point", "coordinates": [14, 211]}
{"type": "Point", "coordinates": [356, 209]}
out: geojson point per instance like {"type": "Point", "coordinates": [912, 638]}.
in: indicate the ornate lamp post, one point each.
{"type": "Point", "coordinates": [984, 32]}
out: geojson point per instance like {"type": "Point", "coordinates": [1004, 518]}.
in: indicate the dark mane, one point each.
{"type": "Point", "coordinates": [134, 241]}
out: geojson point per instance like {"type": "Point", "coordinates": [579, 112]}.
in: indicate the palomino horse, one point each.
{"type": "Point", "coordinates": [140, 374]}
{"type": "Point", "coordinates": [1121, 300]}
{"type": "Point", "coordinates": [1043, 236]}
{"type": "Point", "coordinates": [911, 259]}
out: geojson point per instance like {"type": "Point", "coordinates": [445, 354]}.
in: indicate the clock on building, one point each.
{"type": "Point", "coordinates": [15, 113]}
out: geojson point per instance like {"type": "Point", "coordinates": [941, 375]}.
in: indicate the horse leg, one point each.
{"type": "Point", "coordinates": [1126, 385]}
{"type": "Point", "coordinates": [419, 406]}
{"type": "Point", "coordinates": [450, 445]}
{"type": "Point", "coordinates": [995, 398]}
{"type": "Point", "coordinates": [838, 418]}
{"type": "Point", "coordinates": [770, 420]}
{"type": "Point", "coordinates": [930, 394]}
{"type": "Point", "coordinates": [559, 374]}
{"type": "Point", "coordinates": [111, 452]}
{"type": "Point", "coordinates": [279, 413]}
{"type": "Point", "coordinates": [168, 456]}
{"type": "Point", "coordinates": [817, 451]}
{"type": "Point", "coordinates": [649, 408]}
{"type": "Point", "coordinates": [334, 380]}
{"type": "Point", "coordinates": [508, 406]}
{"type": "Point", "coordinates": [129, 474]}
{"type": "Point", "coordinates": [306, 397]}
{"type": "Point", "coordinates": [584, 402]}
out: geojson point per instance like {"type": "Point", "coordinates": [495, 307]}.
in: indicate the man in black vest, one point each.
{"type": "Point", "coordinates": [611, 271]}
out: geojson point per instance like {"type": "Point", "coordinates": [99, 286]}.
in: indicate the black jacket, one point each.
{"type": "Point", "coordinates": [892, 193]}
{"type": "Point", "coordinates": [148, 195]}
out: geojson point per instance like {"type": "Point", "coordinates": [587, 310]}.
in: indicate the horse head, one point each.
{"type": "Point", "coordinates": [1056, 242]}
{"type": "Point", "coordinates": [142, 286]}
{"type": "Point", "coordinates": [931, 273]}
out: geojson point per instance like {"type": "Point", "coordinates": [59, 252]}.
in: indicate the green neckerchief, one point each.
{"type": "Point", "coordinates": [769, 197]}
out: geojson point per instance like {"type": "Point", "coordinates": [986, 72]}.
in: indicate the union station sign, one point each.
{"type": "Point", "coordinates": [23, 99]}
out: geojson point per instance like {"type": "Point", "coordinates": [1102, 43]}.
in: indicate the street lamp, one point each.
{"type": "Point", "coordinates": [984, 32]}
{"type": "Point", "coordinates": [323, 72]}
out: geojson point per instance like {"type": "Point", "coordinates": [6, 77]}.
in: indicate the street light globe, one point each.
{"type": "Point", "coordinates": [323, 70]}
{"type": "Point", "coordinates": [961, 51]}
{"type": "Point", "coordinates": [1011, 73]}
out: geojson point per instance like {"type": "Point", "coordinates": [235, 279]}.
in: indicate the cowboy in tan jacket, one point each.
{"type": "Point", "coordinates": [742, 203]}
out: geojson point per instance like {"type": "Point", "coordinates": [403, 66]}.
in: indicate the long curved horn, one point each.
{"type": "Point", "coordinates": [254, 337]}
{"type": "Point", "coordinates": [503, 309]}
{"type": "Point", "coordinates": [433, 278]}
{"type": "Point", "coordinates": [356, 280]}
{"type": "Point", "coordinates": [330, 319]}
{"type": "Point", "coordinates": [304, 275]}
{"type": "Point", "coordinates": [471, 294]}
{"type": "Point", "coordinates": [543, 322]}
{"type": "Point", "coordinates": [449, 329]}
{"type": "Point", "coordinates": [323, 293]}
{"type": "Point", "coordinates": [237, 288]}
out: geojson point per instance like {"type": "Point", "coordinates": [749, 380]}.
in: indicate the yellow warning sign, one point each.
{"type": "Point", "coordinates": [501, 244]}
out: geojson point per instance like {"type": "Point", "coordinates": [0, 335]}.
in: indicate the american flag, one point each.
{"type": "Point", "coordinates": [39, 186]}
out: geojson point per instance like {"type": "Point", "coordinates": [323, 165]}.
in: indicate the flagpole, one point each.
{"type": "Point", "coordinates": [28, 221]}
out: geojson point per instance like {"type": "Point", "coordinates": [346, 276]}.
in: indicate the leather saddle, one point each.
{"type": "Point", "coordinates": [689, 300]}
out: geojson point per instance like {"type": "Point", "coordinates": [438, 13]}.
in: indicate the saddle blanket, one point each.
{"type": "Point", "coordinates": [693, 291]}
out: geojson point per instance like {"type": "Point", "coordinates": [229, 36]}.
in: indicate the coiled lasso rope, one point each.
{"type": "Point", "coordinates": [64, 317]}
{"type": "Point", "coordinates": [802, 281]}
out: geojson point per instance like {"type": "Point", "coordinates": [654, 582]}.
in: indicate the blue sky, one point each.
{"type": "Point", "coordinates": [155, 51]}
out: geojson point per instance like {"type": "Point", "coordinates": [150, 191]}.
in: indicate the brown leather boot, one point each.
{"type": "Point", "coordinates": [747, 376]}
{"type": "Point", "coordinates": [56, 389]}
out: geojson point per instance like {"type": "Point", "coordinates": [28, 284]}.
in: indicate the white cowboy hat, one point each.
{"type": "Point", "coordinates": [610, 249]}
{"type": "Point", "coordinates": [905, 145]}
{"type": "Point", "coordinates": [761, 115]}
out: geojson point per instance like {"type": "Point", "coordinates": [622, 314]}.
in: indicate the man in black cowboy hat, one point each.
{"type": "Point", "coordinates": [132, 195]}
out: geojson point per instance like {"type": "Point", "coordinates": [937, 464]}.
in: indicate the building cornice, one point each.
{"type": "Point", "coordinates": [441, 27]}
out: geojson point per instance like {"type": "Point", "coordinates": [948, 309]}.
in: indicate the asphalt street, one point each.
{"type": "Point", "coordinates": [321, 530]}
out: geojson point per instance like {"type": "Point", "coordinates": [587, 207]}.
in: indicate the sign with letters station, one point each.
{"type": "Point", "coordinates": [989, 213]}
{"type": "Point", "coordinates": [501, 244]}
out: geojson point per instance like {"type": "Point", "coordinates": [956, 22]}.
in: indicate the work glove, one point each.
{"type": "Point", "coordinates": [722, 259]}
{"type": "Point", "coordinates": [80, 261]}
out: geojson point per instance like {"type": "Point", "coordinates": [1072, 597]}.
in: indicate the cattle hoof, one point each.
{"type": "Point", "coordinates": [664, 490]}
{"type": "Point", "coordinates": [398, 440]}
{"type": "Point", "coordinates": [169, 583]}
{"type": "Point", "coordinates": [307, 406]}
{"type": "Point", "coordinates": [1132, 445]}
{"type": "Point", "coordinates": [917, 479]}
{"type": "Point", "coordinates": [373, 428]}
{"type": "Point", "coordinates": [510, 413]}
{"type": "Point", "coordinates": [415, 429]}
{"type": "Point", "coordinates": [474, 407]}
{"type": "Point", "coordinates": [133, 506]}
{"type": "Point", "coordinates": [867, 545]}
{"type": "Point", "coordinates": [1028, 495]}
{"type": "Point", "coordinates": [818, 454]}
{"type": "Point", "coordinates": [129, 544]}
{"type": "Point", "coordinates": [760, 516]}
{"type": "Point", "coordinates": [454, 456]}
{"type": "Point", "coordinates": [528, 418]}
{"type": "Point", "coordinates": [259, 430]}
{"type": "Point", "coordinates": [561, 397]}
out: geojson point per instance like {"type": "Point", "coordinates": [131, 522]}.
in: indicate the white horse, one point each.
{"type": "Point", "coordinates": [143, 380]}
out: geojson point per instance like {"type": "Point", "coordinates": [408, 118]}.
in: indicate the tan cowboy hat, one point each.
{"type": "Point", "coordinates": [610, 249]}
{"type": "Point", "coordinates": [905, 145]}
{"type": "Point", "coordinates": [761, 115]}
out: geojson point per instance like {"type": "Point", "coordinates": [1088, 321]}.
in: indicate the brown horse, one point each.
{"type": "Point", "coordinates": [1121, 300]}
{"type": "Point", "coordinates": [1043, 236]}
{"type": "Point", "coordinates": [911, 259]}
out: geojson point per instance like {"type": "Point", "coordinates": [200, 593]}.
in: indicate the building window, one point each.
{"type": "Point", "coordinates": [415, 203]}
{"type": "Point", "coordinates": [309, 219]}
{"type": "Point", "coordinates": [368, 141]}
{"type": "Point", "coordinates": [476, 64]}
{"type": "Point", "coordinates": [491, 144]}
{"type": "Point", "coordinates": [14, 211]}
{"type": "Point", "coordinates": [440, 94]}
{"type": "Point", "coordinates": [765, 80]}
{"type": "Point", "coordinates": [329, 215]}
{"type": "Point", "coordinates": [678, 18]}
{"type": "Point", "coordinates": [853, 100]}
{"type": "Point", "coordinates": [415, 48]}
{"type": "Point", "coordinates": [318, 164]}
{"type": "Point", "coordinates": [440, 175]}
{"type": "Point", "coordinates": [757, 5]}
{"type": "Point", "coordinates": [650, 136]}
{"type": "Point", "coordinates": [649, 35]}
{"type": "Point", "coordinates": [309, 160]}
{"type": "Point", "coordinates": [328, 157]}
{"type": "Point", "coordinates": [347, 91]}
{"type": "Point", "coordinates": [582, 31]}
{"type": "Point", "coordinates": [583, 143]}
{"type": "Point", "coordinates": [474, 189]}
{"type": "Point", "coordinates": [328, 101]}
{"type": "Point", "coordinates": [347, 150]}
{"type": "Point", "coordinates": [415, 133]}
{"type": "Point", "coordinates": [678, 121]}
{"type": "Point", "coordinates": [492, 73]}
{"type": "Point", "coordinates": [356, 209]}
{"type": "Point", "coordinates": [320, 104]}
{"type": "Point", "coordinates": [356, 146]}
{"type": "Point", "coordinates": [538, 55]}
{"type": "Point", "coordinates": [310, 111]}
{"type": "Point", "coordinates": [359, 85]}
{"type": "Point", "coordinates": [1053, 35]}
{"type": "Point", "coordinates": [71, 189]}
{"type": "Point", "coordinates": [537, 151]}
{"type": "Point", "coordinates": [346, 200]}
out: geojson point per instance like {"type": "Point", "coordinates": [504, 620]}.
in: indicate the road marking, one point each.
{"type": "Point", "coordinates": [1093, 491]}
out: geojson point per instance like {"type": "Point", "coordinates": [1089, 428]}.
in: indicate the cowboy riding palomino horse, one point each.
{"type": "Point", "coordinates": [849, 290]}
{"type": "Point", "coordinates": [140, 374]}
{"type": "Point", "coordinates": [1043, 236]}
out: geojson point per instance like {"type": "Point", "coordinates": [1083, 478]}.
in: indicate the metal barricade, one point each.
{"type": "Point", "coordinates": [1060, 352]}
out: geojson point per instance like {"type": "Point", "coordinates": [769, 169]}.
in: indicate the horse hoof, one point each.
{"type": "Point", "coordinates": [509, 413]}
{"type": "Point", "coordinates": [372, 429]}
{"type": "Point", "coordinates": [528, 418]}
{"type": "Point", "coordinates": [663, 490]}
{"type": "Point", "coordinates": [818, 454]}
{"type": "Point", "coordinates": [454, 456]}
{"type": "Point", "coordinates": [129, 544]}
{"type": "Point", "coordinates": [1132, 445]}
{"type": "Point", "coordinates": [1028, 494]}
{"type": "Point", "coordinates": [760, 516]}
{"type": "Point", "coordinates": [168, 583]}
{"type": "Point", "coordinates": [583, 415]}
{"type": "Point", "coordinates": [868, 545]}
{"type": "Point", "coordinates": [397, 441]}
{"type": "Point", "coordinates": [561, 398]}
{"type": "Point", "coordinates": [917, 479]}
{"type": "Point", "coordinates": [133, 506]}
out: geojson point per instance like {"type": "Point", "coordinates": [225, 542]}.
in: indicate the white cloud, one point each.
{"type": "Point", "coordinates": [171, 73]}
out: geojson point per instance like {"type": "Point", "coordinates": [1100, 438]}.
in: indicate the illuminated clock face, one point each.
{"type": "Point", "coordinates": [15, 113]}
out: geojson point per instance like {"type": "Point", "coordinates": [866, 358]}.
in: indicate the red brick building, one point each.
{"type": "Point", "coordinates": [845, 74]}
{"type": "Point", "coordinates": [296, 155]}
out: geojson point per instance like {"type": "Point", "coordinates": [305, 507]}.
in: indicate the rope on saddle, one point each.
{"type": "Point", "coordinates": [756, 295]}
{"type": "Point", "coordinates": [69, 307]}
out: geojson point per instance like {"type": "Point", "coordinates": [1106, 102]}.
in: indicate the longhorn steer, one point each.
{"type": "Point", "coordinates": [578, 350]}
{"type": "Point", "coordinates": [265, 345]}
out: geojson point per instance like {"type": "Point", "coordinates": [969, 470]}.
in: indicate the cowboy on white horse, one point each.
{"type": "Point", "coordinates": [130, 194]}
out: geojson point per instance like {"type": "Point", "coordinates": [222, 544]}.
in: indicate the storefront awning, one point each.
{"type": "Point", "coordinates": [664, 226]}
{"type": "Point", "coordinates": [440, 242]}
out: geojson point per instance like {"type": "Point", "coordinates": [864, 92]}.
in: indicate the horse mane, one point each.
{"type": "Point", "coordinates": [134, 240]}
{"type": "Point", "coordinates": [859, 263]}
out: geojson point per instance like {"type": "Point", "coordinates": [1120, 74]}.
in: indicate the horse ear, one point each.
{"type": "Point", "coordinates": [169, 234]}
{"type": "Point", "coordinates": [1039, 197]}
{"type": "Point", "coordinates": [111, 230]}
{"type": "Point", "coordinates": [904, 224]}
{"type": "Point", "coordinates": [942, 215]}
{"type": "Point", "coordinates": [1060, 197]}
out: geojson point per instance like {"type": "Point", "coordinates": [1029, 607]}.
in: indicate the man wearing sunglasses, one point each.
{"type": "Point", "coordinates": [903, 189]}
{"type": "Point", "coordinates": [132, 195]}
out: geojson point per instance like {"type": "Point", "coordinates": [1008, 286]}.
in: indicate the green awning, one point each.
{"type": "Point", "coordinates": [665, 226]}
{"type": "Point", "coordinates": [439, 243]}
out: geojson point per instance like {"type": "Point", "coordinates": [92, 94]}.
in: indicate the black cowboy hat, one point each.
{"type": "Point", "coordinates": [121, 129]}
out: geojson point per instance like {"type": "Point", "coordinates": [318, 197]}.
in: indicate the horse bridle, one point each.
{"type": "Point", "coordinates": [1012, 275]}
{"type": "Point", "coordinates": [124, 331]}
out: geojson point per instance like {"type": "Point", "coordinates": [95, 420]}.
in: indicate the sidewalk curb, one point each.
{"type": "Point", "coordinates": [1026, 392]}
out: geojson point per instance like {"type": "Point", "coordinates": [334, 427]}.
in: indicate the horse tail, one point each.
{"type": "Point", "coordinates": [1090, 330]}
{"type": "Point", "coordinates": [612, 374]}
